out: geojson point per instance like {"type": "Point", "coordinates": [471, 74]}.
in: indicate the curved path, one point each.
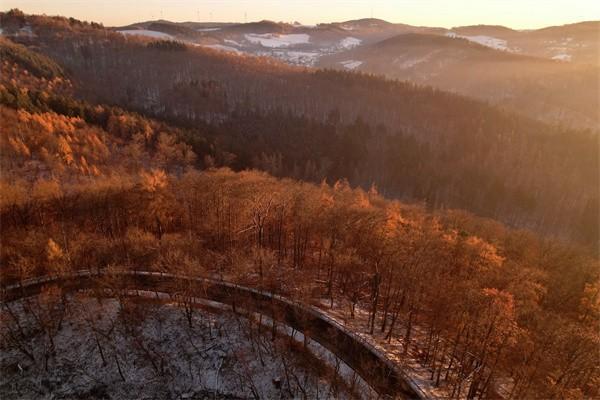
{"type": "Point", "coordinates": [371, 364]}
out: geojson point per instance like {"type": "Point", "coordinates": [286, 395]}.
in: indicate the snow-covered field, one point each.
{"type": "Point", "coordinates": [488, 41]}
{"type": "Point", "coordinates": [307, 58]}
{"type": "Point", "coordinates": [562, 57]}
{"type": "Point", "coordinates": [292, 48]}
{"type": "Point", "coordinates": [273, 40]}
{"type": "Point", "coordinates": [144, 32]}
{"type": "Point", "coordinates": [349, 43]}
{"type": "Point", "coordinates": [351, 64]}
{"type": "Point", "coordinates": [223, 48]}
{"type": "Point", "coordinates": [103, 348]}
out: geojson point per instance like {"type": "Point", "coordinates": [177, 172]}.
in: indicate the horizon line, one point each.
{"type": "Point", "coordinates": [299, 23]}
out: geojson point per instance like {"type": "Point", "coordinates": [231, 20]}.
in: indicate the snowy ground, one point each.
{"type": "Point", "coordinates": [488, 41]}
{"type": "Point", "coordinates": [394, 349]}
{"type": "Point", "coordinates": [351, 64]}
{"type": "Point", "coordinates": [105, 348]}
{"type": "Point", "coordinates": [349, 43]}
{"type": "Point", "coordinates": [562, 57]}
{"type": "Point", "coordinates": [273, 40]}
{"type": "Point", "coordinates": [147, 33]}
{"type": "Point", "coordinates": [296, 49]}
{"type": "Point", "coordinates": [222, 48]}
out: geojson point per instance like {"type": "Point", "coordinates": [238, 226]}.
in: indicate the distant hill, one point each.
{"type": "Point", "coordinates": [551, 59]}
{"type": "Point", "coordinates": [470, 65]}
{"type": "Point", "coordinates": [487, 30]}
{"type": "Point", "coordinates": [573, 42]}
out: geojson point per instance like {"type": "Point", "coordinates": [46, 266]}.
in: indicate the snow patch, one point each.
{"type": "Point", "coordinates": [218, 355]}
{"type": "Point", "coordinates": [307, 58]}
{"type": "Point", "coordinates": [274, 40]}
{"type": "Point", "coordinates": [488, 41]}
{"type": "Point", "coordinates": [223, 48]}
{"type": "Point", "coordinates": [411, 62]}
{"type": "Point", "coordinates": [147, 33]}
{"type": "Point", "coordinates": [232, 42]}
{"type": "Point", "coordinates": [562, 57]}
{"type": "Point", "coordinates": [351, 64]}
{"type": "Point", "coordinates": [208, 29]}
{"type": "Point", "coordinates": [349, 42]}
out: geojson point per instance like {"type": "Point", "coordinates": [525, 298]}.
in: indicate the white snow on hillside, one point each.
{"type": "Point", "coordinates": [158, 355]}
{"type": "Point", "coordinates": [232, 42]}
{"type": "Point", "coordinates": [498, 44]}
{"type": "Point", "coordinates": [306, 58]}
{"type": "Point", "coordinates": [274, 40]}
{"type": "Point", "coordinates": [404, 63]}
{"type": "Point", "coordinates": [144, 32]}
{"type": "Point", "coordinates": [350, 42]}
{"type": "Point", "coordinates": [351, 64]}
{"type": "Point", "coordinates": [223, 48]}
{"type": "Point", "coordinates": [208, 29]}
{"type": "Point", "coordinates": [562, 57]}
{"type": "Point", "coordinates": [488, 41]}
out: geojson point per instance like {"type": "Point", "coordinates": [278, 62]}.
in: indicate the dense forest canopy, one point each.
{"type": "Point", "coordinates": [121, 152]}
{"type": "Point", "coordinates": [413, 143]}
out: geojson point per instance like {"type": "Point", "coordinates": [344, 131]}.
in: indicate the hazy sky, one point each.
{"type": "Point", "coordinates": [446, 13]}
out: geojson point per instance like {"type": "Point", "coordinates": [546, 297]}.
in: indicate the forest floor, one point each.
{"type": "Point", "coordinates": [148, 351]}
{"type": "Point", "coordinates": [393, 349]}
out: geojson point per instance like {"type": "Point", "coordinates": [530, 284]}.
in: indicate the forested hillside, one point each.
{"type": "Point", "coordinates": [490, 309]}
{"type": "Point", "coordinates": [413, 143]}
{"type": "Point", "coordinates": [60, 137]}
{"type": "Point", "coordinates": [452, 274]}
{"type": "Point", "coordinates": [528, 85]}
{"type": "Point", "coordinates": [537, 301]}
{"type": "Point", "coordinates": [525, 71]}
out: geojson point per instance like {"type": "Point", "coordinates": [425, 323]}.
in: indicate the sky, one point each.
{"type": "Point", "coordinates": [518, 14]}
